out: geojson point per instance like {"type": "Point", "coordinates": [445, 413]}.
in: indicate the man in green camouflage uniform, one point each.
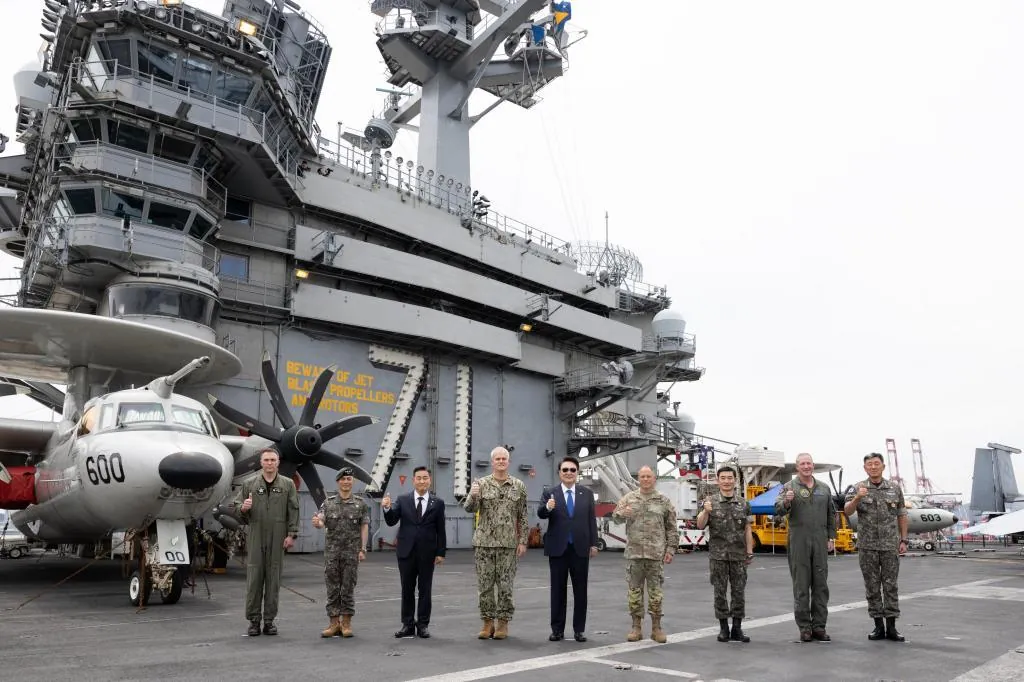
{"type": "Point", "coordinates": [881, 539]}
{"type": "Point", "coordinates": [347, 520]}
{"type": "Point", "coordinates": [499, 540]}
{"type": "Point", "coordinates": [269, 505]}
{"type": "Point", "coordinates": [652, 538]}
{"type": "Point", "coordinates": [812, 535]}
{"type": "Point", "coordinates": [731, 549]}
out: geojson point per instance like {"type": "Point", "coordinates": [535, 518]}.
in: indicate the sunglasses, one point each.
{"type": "Point", "coordinates": [567, 470]}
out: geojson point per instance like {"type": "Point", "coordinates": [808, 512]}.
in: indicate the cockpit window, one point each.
{"type": "Point", "coordinates": [140, 413]}
{"type": "Point", "coordinates": [88, 422]}
{"type": "Point", "coordinates": [186, 416]}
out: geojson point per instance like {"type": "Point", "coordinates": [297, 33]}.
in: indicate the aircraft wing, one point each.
{"type": "Point", "coordinates": [1001, 525]}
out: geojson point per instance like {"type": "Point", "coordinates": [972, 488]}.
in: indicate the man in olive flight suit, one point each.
{"type": "Point", "coordinates": [269, 505]}
{"type": "Point", "coordinates": [812, 535]}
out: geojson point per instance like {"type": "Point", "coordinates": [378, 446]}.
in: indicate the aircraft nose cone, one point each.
{"type": "Point", "coordinates": [190, 470]}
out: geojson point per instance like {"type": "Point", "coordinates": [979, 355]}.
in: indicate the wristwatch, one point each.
{"type": "Point", "coordinates": [904, 539]}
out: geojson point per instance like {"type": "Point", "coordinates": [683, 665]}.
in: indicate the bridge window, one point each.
{"type": "Point", "coordinates": [173, 149]}
{"type": "Point", "coordinates": [140, 413]}
{"type": "Point", "coordinates": [128, 136]}
{"type": "Point", "coordinates": [82, 201]}
{"type": "Point", "coordinates": [120, 50]}
{"type": "Point", "coordinates": [120, 205]}
{"type": "Point", "coordinates": [86, 129]}
{"type": "Point", "coordinates": [129, 300]}
{"type": "Point", "coordinates": [164, 215]}
{"type": "Point", "coordinates": [200, 227]}
{"type": "Point", "coordinates": [232, 87]}
{"type": "Point", "coordinates": [157, 61]}
{"type": "Point", "coordinates": [196, 75]}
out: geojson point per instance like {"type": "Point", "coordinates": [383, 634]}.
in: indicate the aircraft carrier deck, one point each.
{"type": "Point", "coordinates": [960, 618]}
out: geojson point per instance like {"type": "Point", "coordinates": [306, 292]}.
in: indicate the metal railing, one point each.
{"type": "Point", "coordinates": [258, 232]}
{"type": "Point", "coordinates": [657, 344]}
{"type": "Point", "coordinates": [412, 21]}
{"type": "Point", "coordinates": [104, 157]}
{"type": "Point", "coordinates": [102, 78]}
{"type": "Point", "coordinates": [139, 240]}
{"type": "Point", "coordinates": [263, 294]}
{"type": "Point", "coordinates": [585, 378]}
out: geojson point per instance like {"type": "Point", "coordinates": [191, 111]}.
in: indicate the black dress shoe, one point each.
{"type": "Point", "coordinates": [406, 631]}
{"type": "Point", "coordinates": [555, 637]}
{"type": "Point", "coordinates": [580, 637]}
{"type": "Point", "coordinates": [423, 632]}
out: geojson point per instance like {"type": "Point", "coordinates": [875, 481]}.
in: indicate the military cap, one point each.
{"type": "Point", "coordinates": [343, 471]}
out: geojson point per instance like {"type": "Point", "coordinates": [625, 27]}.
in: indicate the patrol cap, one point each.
{"type": "Point", "coordinates": [343, 471]}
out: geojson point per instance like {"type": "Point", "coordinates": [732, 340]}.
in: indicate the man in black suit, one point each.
{"type": "Point", "coordinates": [570, 542]}
{"type": "Point", "coordinates": [421, 546]}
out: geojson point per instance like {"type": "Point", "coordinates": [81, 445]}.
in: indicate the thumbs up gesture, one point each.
{"type": "Point", "coordinates": [551, 503]}
{"type": "Point", "coordinates": [790, 495]}
{"type": "Point", "coordinates": [247, 503]}
{"type": "Point", "coordinates": [707, 505]}
{"type": "Point", "coordinates": [862, 492]}
{"type": "Point", "coordinates": [474, 489]}
{"type": "Point", "coordinates": [386, 502]}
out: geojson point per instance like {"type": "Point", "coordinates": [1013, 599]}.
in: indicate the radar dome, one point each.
{"type": "Point", "coordinates": [668, 324]}
{"type": "Point", "coordinates": [26, 89]}
{"type": "Point", "coordinates": [685, 423]}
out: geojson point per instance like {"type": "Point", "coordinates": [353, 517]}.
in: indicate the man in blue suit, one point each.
{"type": "Point", "coordinates": [421, 546]}
{"type": "Point", "coordinates": [570, 542]}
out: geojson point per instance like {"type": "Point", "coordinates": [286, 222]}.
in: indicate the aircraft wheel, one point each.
{"type": "Point", "coordinates": [139, 589]}
{"type": "Point", "coordinates": [757, 543]}
{"type": "Point", "coordinates": [16, 553]}
{"type": "Point", "coordinates": [929, 546]}
{"type": "Point", "coordinates": [601, 545]}
{"type": "Point", "coordinates": [177, 582]}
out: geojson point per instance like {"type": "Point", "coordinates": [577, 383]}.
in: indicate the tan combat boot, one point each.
{"type": "Point", "coordinates": [635, 634]}
{"type": "Point", "coordinates": [501, 631]}
{"type": "Point", "coordinates": [346, 626]}
{"type": "Point", "coordinates": [487, 629]}
{"type": "Point", "coordinates": [334, 629]}
{"type": "Point", "coordinates": [657, 634]}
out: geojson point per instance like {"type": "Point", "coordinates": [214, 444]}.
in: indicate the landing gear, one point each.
{"type": "Point", "coordinates": [153, 567]}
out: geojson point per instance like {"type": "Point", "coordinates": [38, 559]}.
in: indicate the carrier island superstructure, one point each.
{"type": "Point", "coordinates": [174, 175]}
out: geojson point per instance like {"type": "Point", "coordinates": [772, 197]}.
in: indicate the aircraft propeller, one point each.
{"type": "Point", "coordinates": [300, 443]}
{"type": "Point", "coordinates": [839, 495]}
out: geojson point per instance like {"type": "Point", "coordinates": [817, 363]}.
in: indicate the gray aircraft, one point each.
{"type": "Point", "coordinates": [146, 461]}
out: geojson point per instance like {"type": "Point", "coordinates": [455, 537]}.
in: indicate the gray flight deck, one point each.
{"type": "Point", "coordinates": [961, 615]}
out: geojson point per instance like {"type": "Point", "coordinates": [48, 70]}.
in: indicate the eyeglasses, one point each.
{"type": "Point", "coordinates": [567, 470]}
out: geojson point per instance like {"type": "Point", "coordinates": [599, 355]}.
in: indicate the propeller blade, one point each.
{"type": "Point", "coordinates": [237, 418]}
{"type": "Point", "coordinates": [335, 462]}
{"type": "Point", "coordinates": [307, 470]}
{"type": "Point", "coordinates": [840, 479]}
{"type": "Point", "coordinates": [287, 468]}
{"type": "Point", "coordinates": [277, 400]}
{"type": "Point", "coordinates": [831, 480]}
{"type": "Point", "coordinates": [315, 396]}
{"type": "Point", "coordinates": [346, 424]}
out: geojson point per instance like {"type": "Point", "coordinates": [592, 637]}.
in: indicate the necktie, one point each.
{"type": "Point", "coordinates": [419, 508]}
{"type": "Point", "coordinates": [570, 506]}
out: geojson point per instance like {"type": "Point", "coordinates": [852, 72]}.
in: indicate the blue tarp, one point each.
{"type": "Point", "coordinates": [765, 502]}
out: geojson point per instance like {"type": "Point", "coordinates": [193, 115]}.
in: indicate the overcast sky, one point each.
{"type": "Point", "coordinates": [831, 192]}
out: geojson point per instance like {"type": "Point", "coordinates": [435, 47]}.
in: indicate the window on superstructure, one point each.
{"type": "Point", "coordinates": [121, 205]}
{"type": "Point", "coordinates": [165, 215]}
{"type": "Point", "coordinates": [196, 75]}
{"type": "Point", "coordinates": [200, 227]}
{"type": "Point", "coordinates": [232, 87]}
{"type": "Point", "coordinates": [86, 129]}
{"type": "Point", "coordinates": [117, 50]}
{"type": "Point", "coordinates": [128, 136]}
{"type": "Point", "coordinates": [158, 62]}
{"type": "Point", "coordinates": [238, 210]}
{"type": "Point", "coordinates": [234, 266]}
{"type": "Point", "coordinates": [172, 148]}
{"type": "Point", "coordinates": [82, 201]}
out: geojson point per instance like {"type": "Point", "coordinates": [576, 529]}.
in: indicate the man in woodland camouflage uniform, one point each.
{"type": "Point", "coordinates": [731, 549]}
{"type": "Point", "coordinates": [499, 540]}
{"type": "Point", "coordinates": [652, 539]}
{"type": "Point", "coordinates": [881, 539]}
{"type": "Point", "coordinates": [347, 520]}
